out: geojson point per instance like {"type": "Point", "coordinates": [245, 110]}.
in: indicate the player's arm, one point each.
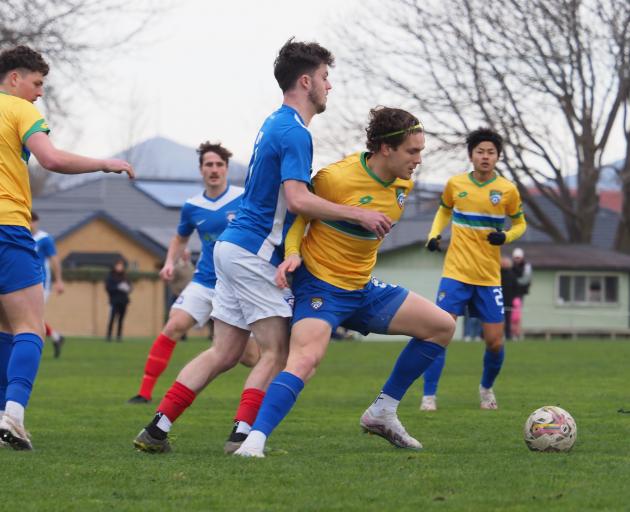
{"type": "Point", "coordinates": [55, 264]}
{"type": "Point", "coordinates": [519, 225]}
{"type": "Point", "coordinates": [63, 162]}
{"type": "Point", "coordinates": [292, 258]}
{"type": "Point", "coordinates": [440, 221]}
{"type": "Point", "coordinates": [175, 251]}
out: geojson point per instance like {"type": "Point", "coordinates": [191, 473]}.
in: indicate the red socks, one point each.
{"type": "Point", "coordinates": [48, 329]}
{"type": "Point", "coordinates": [177, 399]}
{"type": "Point", "coordinates": [159, 356]}
{"type": "Point", "coordinates": [251, 399]}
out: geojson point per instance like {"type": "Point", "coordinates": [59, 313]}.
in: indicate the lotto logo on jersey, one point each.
{"type": "Point", "coordinates": [400, 197]}
{"type": "Point", "coordinates": [317, 302]}
{"type": "Point", "coordinates": [441, 296]}
{"type": "Point", "coordinates": [495, 196]}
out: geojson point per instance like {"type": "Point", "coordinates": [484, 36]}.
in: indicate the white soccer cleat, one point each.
{"type": "Point", "coordinates": [487, 400]}
{"type": "Point", "coordinates": [13, 434]}
{"type": "Point", "coordinates": [429, 403]}
{"type": "Point", "coordinates": [389, 427]}
{"type": "Point", "coordinates": [244, 451]}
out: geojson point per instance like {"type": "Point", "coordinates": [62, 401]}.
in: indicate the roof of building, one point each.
{"type": "Point", "coordinates": [570, 256]}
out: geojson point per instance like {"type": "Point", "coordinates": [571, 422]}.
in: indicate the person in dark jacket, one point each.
{"type": "Point", "coordinates": [509, 286]}
{"type": "Point", "coordinates": [118, 288]}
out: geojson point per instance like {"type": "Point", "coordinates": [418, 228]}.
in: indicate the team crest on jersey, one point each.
{"type": "Point", "coordinates": [230, 216]}
{"type": "Point", "coordinates": [400, 197]}
{"type": "Point", "coordinates": [317, 302]}
{"type": "Point", "coordinates": [441, 296]}
{"type": "Point", "coordinates": [495, 196]}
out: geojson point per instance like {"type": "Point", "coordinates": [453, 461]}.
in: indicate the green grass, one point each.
{"type": "Point", "coordinates": [473, 460]}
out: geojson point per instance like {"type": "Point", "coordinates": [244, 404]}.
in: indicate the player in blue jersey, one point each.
{"type": "Point", "coordinates": [246, 298]}
{"type": "Point", "coordinates": [51, 265]}
{"type": "Point", "coordinates": [23, 131]}
{"type": "Point", "coordinates": [208, 213]}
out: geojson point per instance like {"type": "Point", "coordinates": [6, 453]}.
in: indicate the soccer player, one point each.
{"type": "Point", "coordinates": [247, 253]}
{"type": "Point", "coordinates": [23, 131]}
{"type": "Point", "coordinates": [478, 203]}
{"type": "Point", "coordinates": [47, 252]}
{"type": "Point", "coordinates": [209, 213]}
{"type": "Point", "coordinates": [334, 286]}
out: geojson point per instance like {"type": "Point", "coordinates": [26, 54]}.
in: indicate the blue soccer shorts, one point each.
{"type": "Point", "coordinates": [20, 266]}
{"type": "Point", "coordinates": [367, 310]}
{"type": "Point", "coordinates": [485, 302]}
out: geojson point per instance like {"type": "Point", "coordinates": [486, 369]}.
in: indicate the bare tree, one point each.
{"type": "Point", "coordinates": [553, 76]}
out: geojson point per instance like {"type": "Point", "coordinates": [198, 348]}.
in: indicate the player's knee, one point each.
{"type": "Point", "coordinates": [445, 330]}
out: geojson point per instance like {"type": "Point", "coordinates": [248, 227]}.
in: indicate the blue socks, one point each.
{"type": "Point", "coordinates": [492, 363]}
{"type": "Point", "coordinates": [414, 359]}
{"type": "Point", "coordinates": [23, 366]}
{"type": "Point", "coordinates": [281, 395]}
{"type": "Point", "coordinates": [433, 373]}
{"type": "Point", "coordinates": [6, 344]}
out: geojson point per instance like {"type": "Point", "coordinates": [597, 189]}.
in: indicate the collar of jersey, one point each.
{"type": "Point", "coordinates": [293, 110]}
{"type": "Point", "coordinates": [214, 200]}
{"type": "Point", "coordinates": [478, 183]}
{"type": "Point", "coordinates": [371, 172]}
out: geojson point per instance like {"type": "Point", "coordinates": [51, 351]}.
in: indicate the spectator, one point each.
{"type": "Point", "coordinates": [523, 272]}
{"type": "Point", "coordinates": [118, 288]}
{"type": "Point", "coordinates": [508, 284]}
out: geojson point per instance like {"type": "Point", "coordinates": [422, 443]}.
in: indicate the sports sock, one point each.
{"type": "Point", "coordinates": [384, 404]}
{"type": "Point", "coordinates": [433, 373]}
{"type": "Point", "coordinates": [48, 329]}
{"type": "Point", "coordinates": [177, 399]}
{"type": "Point", "coordinates": [492, 363]}
{"type": "Point", "coordinates": [414, 359]}
{"type": "Point", "coordinates": [251, 400]}
{"type": "Point", "coordinates": [15, 410]}
{"type": "Point", "coordinates": [6, 344]}
{"type": "Point", "coordinates": [242, 427]}
{"type": "Point", "coordinates": [159, 427]}
{"type": "Point", "coordinates": [281, 395]}
{"type": "Point", "coordinates": [157, 361]}
{"type": "Point", "coordinates": [23, 366]}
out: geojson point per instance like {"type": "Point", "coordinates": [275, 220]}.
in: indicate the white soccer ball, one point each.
{"type": "Point", "coordinates": [550, 429]}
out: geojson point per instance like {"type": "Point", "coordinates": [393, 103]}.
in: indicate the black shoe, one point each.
{"type": "Point", "coordinates": [57, 346]}
{"type": "Point", "coordinates": [235, 440]}
{"type": "Point", "coordinates": [139, 399]}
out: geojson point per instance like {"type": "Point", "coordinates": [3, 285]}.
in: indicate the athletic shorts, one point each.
{"type": "Point", "coordinates": [196, 300]}
{"type": "Point", "coordinates": [20, 266]}
{"type": "Point", "coordinates": [367, 310]}
{"type": "Point", "coordinates": [245, 291]}
{"type": "Point", "coordinates": [485, 302]}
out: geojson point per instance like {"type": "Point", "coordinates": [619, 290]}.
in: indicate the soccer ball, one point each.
{"type": "Point", "coordinates": [550, 429]}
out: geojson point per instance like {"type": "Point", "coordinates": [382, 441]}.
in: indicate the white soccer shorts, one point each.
{"type": "Point", "coordinates": [245, 291]}
{"type": "Point", "coordinates": [196, 300]}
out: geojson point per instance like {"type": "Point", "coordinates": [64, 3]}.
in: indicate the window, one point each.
{"type": "Point", "coordinates": [587, 290]}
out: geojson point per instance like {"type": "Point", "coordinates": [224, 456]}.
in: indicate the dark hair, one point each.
{"type": "Point", "coordinates": [390, 126]}
{"type": "Point", "coordinates": [484, 135]}
{"type": "Point", "coordinates": [206, 147]}
{"type": "Point", "coordinates": [22, 57]}
{"type": "Point", "coordinates": [296, 59]}
{"type": "Point", "coordinates": [34, 216]}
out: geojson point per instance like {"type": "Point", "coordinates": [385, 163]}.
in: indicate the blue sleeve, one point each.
{"type": "Point", "coordinates": [186, 225]}
{"type": "Point", "coordinates": [47, 247]}
{"type": "Point", "coordinates": [296, 157]}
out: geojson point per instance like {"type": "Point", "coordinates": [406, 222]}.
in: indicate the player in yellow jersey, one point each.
{"type": "Point", "coordinates": [335, 287]}
{"type": "Point", "coordinates": [23, 131]}
{"type": "Point", "coordinates": [478, 203]}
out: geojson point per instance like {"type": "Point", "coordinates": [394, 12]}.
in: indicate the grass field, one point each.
{"type": "Point", "coordinates": [473, 460]}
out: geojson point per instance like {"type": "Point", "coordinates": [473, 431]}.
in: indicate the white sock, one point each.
{"type": "Point", "coordinates": [164, 424]}
{"type": "Point", "coordinates": [384, 404]}
{"type": "Point", "coordinates": [15, 410]}
{"type": "Point", "coordinates": [55, 336]}
{"type": "Point", "coordinates": [243, 427]}
{"type": "Point", "coordinates": [255, 441]}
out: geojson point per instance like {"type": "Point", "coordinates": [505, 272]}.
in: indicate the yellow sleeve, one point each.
{"type": "Point", "coordinates": [518, 228]}
{"type": "Point", "coordinates": [441, 220]}
{"type": "Point", "coordinates": [30, 121]}
{"type": "Point", "coordinates": [294, 237]}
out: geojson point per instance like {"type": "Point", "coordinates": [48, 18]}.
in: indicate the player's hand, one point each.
{"type": "Point", "coordinates": [496, 237]}
{"type": "Point", "coordinates": [167, 271]}
{"type": "Point", "coordinates": [434, 244]}
{"type": "Point", "coordinates": [119, 166]}
{"type": "Point", "coordinates": [376, 222]}
{"type": "Point", "coordinates": [288, 265]}
{"type": "Point", "coordinates": [58, 287]}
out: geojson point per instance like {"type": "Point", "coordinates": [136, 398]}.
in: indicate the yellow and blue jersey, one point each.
{"type": "Point", "coordinates": [342, 253]}
{"type": "Point", "coordinates": [19, 119]}
{"type": "Point", "coordinates": [477, 209]}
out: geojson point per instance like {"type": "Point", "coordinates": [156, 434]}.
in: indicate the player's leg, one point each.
{"type": "Point", "coordinates": [6, 344]}
{"type": "Point", "coordinates": [224, 354]}
{"type": "Point", "coordinates": [431, 329]}
{"type": "Point", "coordinates": [309, 340]}
{"type": "Point", "coordinates": [488, 301]}
{"type": "Point", "coordinates": [57, 338]}
{"type": "Point", "coordinates": [251, 354]}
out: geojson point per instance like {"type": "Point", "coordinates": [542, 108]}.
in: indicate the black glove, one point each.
{"type": "Point", "coordinates": [496, 237]}
{"type": "Point", "coordinates": [434, 244]}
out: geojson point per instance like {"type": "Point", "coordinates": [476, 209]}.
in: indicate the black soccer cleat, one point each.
{"type": "Point", "coordinates": [139, 399]}
{"type": "Point", "coordinates": [234, 441]}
